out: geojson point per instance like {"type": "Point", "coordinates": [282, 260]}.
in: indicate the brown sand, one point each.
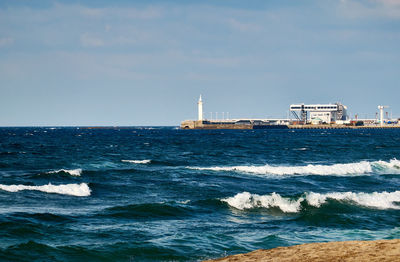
{"type": "Point", "coordinates": [379, 250]}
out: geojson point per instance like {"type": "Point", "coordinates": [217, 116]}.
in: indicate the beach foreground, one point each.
{"type": "Point", "coordinates": [379, 250]}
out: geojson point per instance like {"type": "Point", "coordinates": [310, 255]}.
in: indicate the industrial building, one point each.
{"type": "Point", "coordinates": [319, 113]}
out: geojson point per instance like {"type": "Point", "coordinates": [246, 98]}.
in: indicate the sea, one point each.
{"type": "Point", "coordinates": [165, 194]}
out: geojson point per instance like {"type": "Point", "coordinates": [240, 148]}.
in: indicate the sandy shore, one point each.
{"type": "Point", "coordinates": [379, 250]}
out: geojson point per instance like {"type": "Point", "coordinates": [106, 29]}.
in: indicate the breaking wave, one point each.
{"type": "Point", "coordinates": [72, 172]}
{"type": "Point", "coordinates": [67, 189]}
{"type": "Point", "coordinates": [245, 200]}
{"type": "Point", "coordinates": [146, 161]}
{"type": "Point", "coordinates": [363, 167]}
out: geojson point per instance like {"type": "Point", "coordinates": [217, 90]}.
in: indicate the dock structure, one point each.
{"type": "Point", "coordinates": [193, 124]}
{"type": "Point", "coordinates": [234, 124]}
{"type": "Point", "coordinates": [200, 124]}
{"type": "Point", "coordinates": [334, 126]}
{"type": "Point", "coordinates": [312, 116]}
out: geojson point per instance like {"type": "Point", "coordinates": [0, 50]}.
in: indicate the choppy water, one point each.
{"type": "Point", "coordinates": [70, 194]}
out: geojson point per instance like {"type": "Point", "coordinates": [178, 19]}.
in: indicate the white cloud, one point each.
{"type": "Point", "coordinates": [370, 8]}
{"type": "Point", "coordinates": [243, 27]}
{"type": "Point", "coordinates": [124, 13]}
{"type": "Point", "coordinates": [389, 2]}
{"type": "Point", "coordinates": [6, 41]}
{"type": "Point", "coordinates": [220, 61]}
{"type": "Point", "coordinates": [134, 13]}
{"type": "Point", "coordinates": [91, 12]}
{"type": "Point", "coordinates": [90, 41]}
{"type": "Point", "coordinates": [107, 28]}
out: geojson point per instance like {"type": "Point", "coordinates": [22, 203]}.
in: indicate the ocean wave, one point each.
{"type": "Point", "coordinates": [363, 167]}
{"type": "Point", "coordinates": [72, 172]}
{"type": "Point", "coordinates": [377, 200]}
{"type": "Point", "coordinates": [246, 200]}
{"type": "Point", "coordinates": [148, 211]}
{"type": "Point", "coordinates": [382, 200]}
{"type": "Point", "coordinates": [67, 189]}
{"type": "Point", "coordinates": [146, 161]}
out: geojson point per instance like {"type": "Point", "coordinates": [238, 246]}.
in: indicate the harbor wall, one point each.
{"type": "Point", "coordinates": [192, 124]}
{"type": "Point", "coordinates": [199, 124]}
{"type": "Point", "coordinates": [333, 126]}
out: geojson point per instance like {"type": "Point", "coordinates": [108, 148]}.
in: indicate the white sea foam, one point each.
{"type": "Point", "coordinates": [382, 200]}
{"type": "Point", "coordinates": [146, 161]}
{"type": "Point", "coordinates": [393, 165]}
{"type": "Point", "coordinates": [72, 172]}
{"type": "Point", "coordinates": [184, 202]}
{"type": "Point", "coordinates": [246, 200]}
{"type": "Point", "coordinates": [359, 168]}
{"type": "Point", "coordinates": [67, 189]}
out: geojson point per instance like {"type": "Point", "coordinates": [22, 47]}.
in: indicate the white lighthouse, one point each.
{"type": "Point", "coordinates": [200, 109]}
{"type": "Point", "coordinates": [381, 113]}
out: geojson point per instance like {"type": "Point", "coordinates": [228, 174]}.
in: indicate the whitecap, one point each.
{"type": "Point", "coordinates": [393, 165]}
{"type": "Point", "coordinates": [246, 200]}
{"type": "Point", "coordinates": [358, 168]}
{"type": "Point", "coordinates": [300, 149]}
{"type": "Point", "coordinates": [146, 161]}
{"type": "Point", "coordinates": [67, 189]}
{"type": "Point", "coordinates": [72, 172]}
{"type": "Point", "coordinates": [382, 200]}
{"type": "Point", "coordinates": [183, 202]}
{"type": "Point", "coordinates": [377, 200]}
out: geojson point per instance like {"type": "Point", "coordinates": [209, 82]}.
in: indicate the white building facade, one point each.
{"type": "Point", "coordinates": [319, 113]}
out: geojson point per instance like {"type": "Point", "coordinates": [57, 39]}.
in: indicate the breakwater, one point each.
{"type": "Point", "coordinates": [258, 124]}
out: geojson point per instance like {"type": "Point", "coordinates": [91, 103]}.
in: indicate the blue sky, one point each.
{"type": "Point", "coordinates": [146, 62]}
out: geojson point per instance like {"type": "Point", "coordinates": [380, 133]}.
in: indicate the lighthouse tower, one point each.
{"type": "Point", "coordinates": [200, 109]}
{"type": "Point", "coordinates": [381, 111]}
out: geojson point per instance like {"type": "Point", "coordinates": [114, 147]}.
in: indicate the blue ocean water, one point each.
{"type": "Point", "coordinates": [162, 194]}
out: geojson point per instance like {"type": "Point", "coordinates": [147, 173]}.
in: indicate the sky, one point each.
{"type": "Point", "coordinates": [130, 63]}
